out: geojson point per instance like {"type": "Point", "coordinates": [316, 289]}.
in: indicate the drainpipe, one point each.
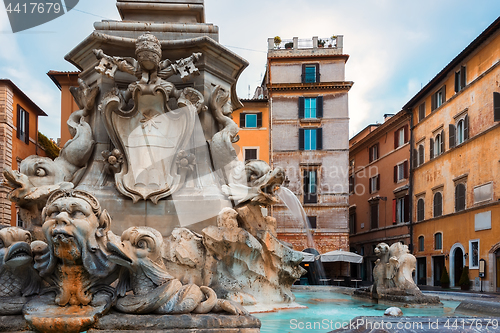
{"type": "Point", "coordinates": [410, 189]}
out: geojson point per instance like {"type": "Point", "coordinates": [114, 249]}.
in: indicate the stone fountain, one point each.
{"type": "Point", "coordinates": [151, 159]}
{"type": "Point", "coordinates": [393, 278]}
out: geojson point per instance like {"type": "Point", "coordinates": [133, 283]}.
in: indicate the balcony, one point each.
{"type": "Point", "coordinates": [298, 46]}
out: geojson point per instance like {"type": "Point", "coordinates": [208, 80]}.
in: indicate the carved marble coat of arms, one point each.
{"type": "Point", "coordinates": [150, 135]}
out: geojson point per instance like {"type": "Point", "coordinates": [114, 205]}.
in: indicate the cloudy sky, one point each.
{"type": "Point", "coordinates": [395, 46]}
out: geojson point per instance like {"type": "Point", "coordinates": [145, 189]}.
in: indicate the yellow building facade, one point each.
{"type": "Point", "coordinates": [456, 166]}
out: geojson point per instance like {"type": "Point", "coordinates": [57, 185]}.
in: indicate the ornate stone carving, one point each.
{"type": "Point", "coordinates": [392, 276]}
{"type": "Point", "coordinates": [18, 279]}
{"type": "Point", "coordinates": [256, 182]}
{"type": "Point", "coordinates": [40, 176]}
{"type": "Point", "coordinates": [73, 262]}
{"type": "Point", "coordinates": [154, 289]}
{"type": "Point", "coordinates": [150, 134]}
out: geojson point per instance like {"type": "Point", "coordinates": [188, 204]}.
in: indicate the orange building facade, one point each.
{"type": "Point", "coordinates": [455, 167]}
{"type": "Point", "coordinates": [63, 81]}
{"type": "Point", "coordinates": [379, 210]}
{"type": "Point", "coordinates": [18, 139]}
{"type": "Point", "coordinates": [253, 121]}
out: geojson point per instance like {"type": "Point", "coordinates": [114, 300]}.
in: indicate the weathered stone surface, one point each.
{"type": "Point", "coordinates": [125, 322]}
{"type": "Point", "coordinates": [393, 281]}
{"type": "Point", "coordinates": [393, 312]}
{"type": "Point", "coordinates": [117, 322]}
{"type": "Point", "coordinates": [475, 306]}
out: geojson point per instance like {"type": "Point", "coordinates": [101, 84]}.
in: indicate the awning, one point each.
{"type": "Point", "coordinates": [339, 255]}
{"type": "Point", "coordinates": [308, 257]}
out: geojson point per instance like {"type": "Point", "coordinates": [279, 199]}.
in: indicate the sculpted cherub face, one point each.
{"type": "Point", "coordinates": [68, 224]}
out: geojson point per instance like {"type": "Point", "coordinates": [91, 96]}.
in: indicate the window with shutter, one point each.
{"type": "Point", "coordinates": [312, 221]}
{"type": "Point", "coordinates": [452, 139]}
{"type": "Point", "coordinates": [466, 127]}
{"type": "Point", "coordinates": [242, 120]}
{"type": "Point", "coordinates": [438, 204]}
{"type": "Point", "coordinates": [310, 182]}
{"type": "Point", "coordinates": [438, 241]}
{"type": "Point", "coordinates": [319, 107]}
{"type": "Point", "coordinates": [431, 148]}
{"type": "Point", "coordinates": [352, 223]}
{"type": "Point", "coordinates": [496, 106]}
{"type": "Point", "coordinates": [421, 243]}
{"type": "Point", "coordinates": [460, 77]}
{"type": "Point", "coordinates": [259, 119]}
{"type": "Point", "coordinates": [421, 112]}
{"type": "Point", "coordinates": [301, 139]}
{"type": "Point", "coordinates": [442, 142]}
{"type": "Point", "coordinates": [460, 197]}
{"type": "Point", "coordinates": [319, 138]}
{"type": "Point", "coordinates": [310, 73]}
{"type": "Point", "coordinates": [420, 209]}
{"type": "Point", "coordinates": [421, 154]}
{"type": "Point", "coordinates": [351, 184]}
{"type": "Point", "coordinates": [250, 154]}
{"type": "Point", "coordinates": [309, 108]}
{"type": "Point", "coordinates": [414, 159]}
{"type": "Point", "coordinates": [310, 139]}
{"type": "Point", "coordinates": [23, 124]}
{"type": "Point", "coordinates": [301, 107]}
{"type": "Point", "coordinates": [374, 211]}
{"type": "Point", "coordinates": [394, 211]}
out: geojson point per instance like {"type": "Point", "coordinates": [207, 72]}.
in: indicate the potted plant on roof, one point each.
{"type": "Point", "coordinates": [445, 279]}
{"type": "Point", "coordinates": [333, 39]}
{"type": "Point", "coordinates": [321, 43]}
{"type": "Point", "coordinates": [277, 42]}
{"type": "Point", "coordinates": [464, 281]}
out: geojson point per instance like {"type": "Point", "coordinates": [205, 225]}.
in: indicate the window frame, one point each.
{"type": "Point", "coordinates": [420, 210]}
{"type": "Point", "coordinates": [374, 184]}
{"type": "Point", "coordinates": [257, 151]}
{"type": "Point", "coordinates": [23, 125]}
{"type": "Point", "coordinates": [438, 98]}
{"type": "Point", "coordinates": [374, 218]}
{"type": "Point", "coordinates": [243, 120]}
{"type": "Point", "coordinates": [421, 243]}
{"type": "Point", "coordinates": [421, 155]}
{"type": "Point", "coordinates": [459, 205]}
{"type": "Point", "coordinates": [373, 152]}
{"type": "Point", "coordinates": [440, 247]}
{"type": "Point", "coordinates": [310, 109]}
{"type": "Point", "coordinates": [308, 196]}
{"type": "Point", "coordinates": [434, 204]}
{"type": "Point", "coordinates": [471, 253]}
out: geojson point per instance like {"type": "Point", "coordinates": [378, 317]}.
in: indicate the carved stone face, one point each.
{"type": "Point", "coordinates": [137, 244]}
{"type": "Point", "coordinates": [381, 249]}
{"type": "Point", "coordinates": [148, 60]}
{"type": "Point", "coordinates": [69, 223]}
{"type": "Point", "coordinates": [15, 248]}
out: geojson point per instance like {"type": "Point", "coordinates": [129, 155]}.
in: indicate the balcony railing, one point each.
{"type": "Point", "coordinates": [314, 43]}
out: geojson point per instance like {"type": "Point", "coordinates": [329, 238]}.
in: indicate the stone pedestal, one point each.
{"type": "Point", "coordinates": [118, 322]}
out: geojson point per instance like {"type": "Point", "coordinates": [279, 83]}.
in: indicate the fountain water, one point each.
{"type": "Point", "coordinates": [293, 204]}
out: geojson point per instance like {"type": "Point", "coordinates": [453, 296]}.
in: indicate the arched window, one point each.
{"type": "Point", "coordinates": [438, 241]}
{"type": "Point", "coordinates": [420, 210]}
{"type": "Point", "coordinates": [421, 243]}
{"type": "Point", "coordinates": [459, 197]}
{"type": "Point", "coordinates": [438, 204]}
{"type": "Point", "coordinates": [420, 154]}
